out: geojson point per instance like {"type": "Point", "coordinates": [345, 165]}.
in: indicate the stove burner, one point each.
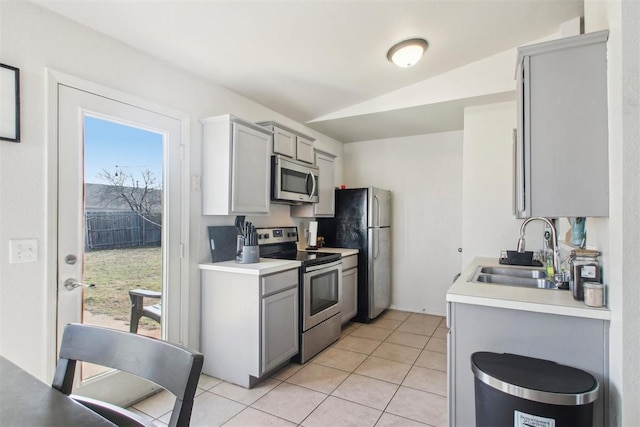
{"type": "Point", "coordinates": [307, 258]}
{"type": "Point", "coordinates": [281, 243]}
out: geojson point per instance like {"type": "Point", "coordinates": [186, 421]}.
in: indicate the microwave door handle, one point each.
{"type": "Point", "coordinates": [313, 180]}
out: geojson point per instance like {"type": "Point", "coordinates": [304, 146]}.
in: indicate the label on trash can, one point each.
{"type": "Point", "coordinates": [521, 419]}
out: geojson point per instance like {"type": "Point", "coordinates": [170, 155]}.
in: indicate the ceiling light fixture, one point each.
{"type": "Point", "coordinates": [407, 53]}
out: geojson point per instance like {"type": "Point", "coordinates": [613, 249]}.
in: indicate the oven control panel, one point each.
{"type": "Point", "coordinates": [267, 236]}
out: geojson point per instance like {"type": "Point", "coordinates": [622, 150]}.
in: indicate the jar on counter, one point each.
{"type": "Point", "coordinates": [584, 267]}
{"type": "Point", "coordinates": [594, 294]}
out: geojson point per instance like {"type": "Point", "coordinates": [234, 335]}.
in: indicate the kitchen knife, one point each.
{"type": "Point", "coordinates": [239, 223]}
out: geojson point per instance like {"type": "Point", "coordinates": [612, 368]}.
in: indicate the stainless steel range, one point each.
{"type": "Point", "coordinates": [320, 288]}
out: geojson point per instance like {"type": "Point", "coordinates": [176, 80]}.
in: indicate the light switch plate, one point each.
{"type": "Point", "coordinates": [23, 250]}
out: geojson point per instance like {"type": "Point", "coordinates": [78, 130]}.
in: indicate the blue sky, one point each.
{"type": "Point", "coordinates": [109, 145]}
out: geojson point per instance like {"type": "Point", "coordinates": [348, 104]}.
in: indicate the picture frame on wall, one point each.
{"type": "Point", "coordinates": [9, 103]}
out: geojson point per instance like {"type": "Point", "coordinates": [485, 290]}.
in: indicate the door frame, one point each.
{"type": "Point", "coordinates": [54, 79]}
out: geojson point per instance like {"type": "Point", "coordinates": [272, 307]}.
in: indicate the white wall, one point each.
{"type": "Point", "coordinates": [32, 39]}
{"type": "Point", "coordinates": [487, 176]}
{"type": "Point", "coordinates": [488, 224]}
{"type": "Point", "coordinates": [424, 173]}
{"type": "Point", "coordinates": [620, 233]}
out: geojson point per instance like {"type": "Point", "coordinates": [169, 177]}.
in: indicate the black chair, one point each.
{"type": "Point", "coordinates": [173, 367]}
{"type": "Point", "coordinates": [138, 308]}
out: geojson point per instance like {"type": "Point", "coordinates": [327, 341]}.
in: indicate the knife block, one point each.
{"type": "Point", "coordinates": [248, 255]}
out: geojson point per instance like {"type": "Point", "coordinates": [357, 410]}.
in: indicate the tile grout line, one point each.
{"type": "Point", "coordinates": [349, 373]}
{"type": "Point", "coordinates": [405, 377]}
{"type": "Point", "coordinates": [383, 411]}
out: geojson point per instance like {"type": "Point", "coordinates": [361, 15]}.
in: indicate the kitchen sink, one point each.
{"type": "Point", "coordinates": [515, 272]}
{"type": "Point", "coordinates": [512, 276]}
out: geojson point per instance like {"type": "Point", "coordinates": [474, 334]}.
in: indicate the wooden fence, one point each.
{"type": "Point", "coordinates": [121, 229]}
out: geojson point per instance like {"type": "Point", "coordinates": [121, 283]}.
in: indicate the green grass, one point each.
{"type": "Point", "coordinates": [115, 272]}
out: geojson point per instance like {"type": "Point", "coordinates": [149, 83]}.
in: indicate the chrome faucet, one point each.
{"type": "Point", "coordinates": [554, 240]}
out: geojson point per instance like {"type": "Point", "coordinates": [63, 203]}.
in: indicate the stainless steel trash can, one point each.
{"type": "Point", "coordinates": [519, 391]}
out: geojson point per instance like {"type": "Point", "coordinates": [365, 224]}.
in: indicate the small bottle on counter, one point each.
{"type": "Point", "coordinates": [584, 268]}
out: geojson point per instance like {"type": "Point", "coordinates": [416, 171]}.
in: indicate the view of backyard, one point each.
{"type": "Point", "coordinates": [115, 272]}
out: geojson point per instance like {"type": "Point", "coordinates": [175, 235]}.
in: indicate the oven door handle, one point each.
{"type": "Point", "coordinates": [323, 266]}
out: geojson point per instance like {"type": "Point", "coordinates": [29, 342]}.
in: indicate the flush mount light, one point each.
{"type": "Point", "coordinates": [407, 53]}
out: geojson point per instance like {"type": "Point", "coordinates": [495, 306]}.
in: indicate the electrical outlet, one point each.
{"type": "Point", "coordinates": [23, 250]}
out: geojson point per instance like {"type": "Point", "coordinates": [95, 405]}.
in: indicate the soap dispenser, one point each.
{"type": "Point", "coordinates": [548, 254]}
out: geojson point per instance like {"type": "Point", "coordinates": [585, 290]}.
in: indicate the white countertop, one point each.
{"type": "Point", "coordinates": [342, 251]}
{"type": "Point", "coordinates": [550, 301]}
{"type": "Point", "coordinates": [265, 266]}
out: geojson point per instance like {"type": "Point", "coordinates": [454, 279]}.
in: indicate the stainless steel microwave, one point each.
{"type": "Point", "coordinates": [293, 182]}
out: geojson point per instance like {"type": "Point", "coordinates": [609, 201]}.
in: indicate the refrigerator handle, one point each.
{"type": "Point", "coordinates": [377, 201]}
{"type": "Point", "coordinates": [376, 246]}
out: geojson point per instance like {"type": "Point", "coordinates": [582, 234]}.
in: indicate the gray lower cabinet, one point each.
{"type": "Point", "coordinates": [249, 324]}
{"type": "Point", "coordinates": [279, 328]}
{"type": "Point", "coordinates": [573, 341]}
{"type": "Point", "coordinates": [349, 305]}
{"type": "Point", "coordinates": [561, 162]}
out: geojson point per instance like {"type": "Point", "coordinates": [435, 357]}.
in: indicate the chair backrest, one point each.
{"type": "Point", "coordinates": [173, 367]}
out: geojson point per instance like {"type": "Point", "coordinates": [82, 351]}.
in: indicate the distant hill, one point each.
{"type": "Point", "coordinates": [96, 197]}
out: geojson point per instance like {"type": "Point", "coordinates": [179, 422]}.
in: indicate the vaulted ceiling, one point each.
{"type": "Point", "coordinates": [307, 59]}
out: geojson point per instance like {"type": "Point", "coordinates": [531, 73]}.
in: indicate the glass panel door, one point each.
{"type": "Point", "coordinates": [120, 226]}
{"type": "Point", "coordinates": [123, 170]}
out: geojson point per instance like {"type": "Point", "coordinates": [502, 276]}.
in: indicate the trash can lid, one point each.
{"type": "Point", "coordinates": [535, 379]}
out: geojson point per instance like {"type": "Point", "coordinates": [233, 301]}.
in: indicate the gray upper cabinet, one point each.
{"type": "Point", "coordinates": [561, 146]}
{"type": "Point", "coordinates": [235, 167]}
{"type": "Point", "coordinates": [290, 143]}
{"type": "Point", "coordinates": [304, 149]}
{"type": "Point", "coordinates": [326, 189]}
{"type": "Point", "coordinates": [284, 142]}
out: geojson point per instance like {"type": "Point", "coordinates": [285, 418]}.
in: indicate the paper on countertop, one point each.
{"type": "Point", "coordinates": [313, 233]}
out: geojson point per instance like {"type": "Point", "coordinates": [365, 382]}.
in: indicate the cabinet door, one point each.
{"type": "Point", "coordinates": [349, 307]}
{"type": "Point", "coordinates": [279, 328]}
{"type": "Point", "coordinates": [284, 142]}
{"type": "Point", "coordinates": [326, 204]}
{"type": "Point", "coordinates": [546, 336]}
{"type": "Point", "coordinates": [563, 97]}
{"type": "Point", "coordinates": [305, 151]}
{"type": "Point", "coordinates": [250, 170]}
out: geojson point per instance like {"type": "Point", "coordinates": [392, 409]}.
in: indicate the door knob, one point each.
{"type": "Point", "coordinates": [71, 284]}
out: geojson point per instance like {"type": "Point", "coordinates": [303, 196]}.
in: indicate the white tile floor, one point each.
{"type": "Point", "coordinates": [391, 372]}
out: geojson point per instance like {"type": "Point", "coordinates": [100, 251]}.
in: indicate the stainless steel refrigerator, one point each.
{"type": "Point", "coordinates": [363, 221]}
